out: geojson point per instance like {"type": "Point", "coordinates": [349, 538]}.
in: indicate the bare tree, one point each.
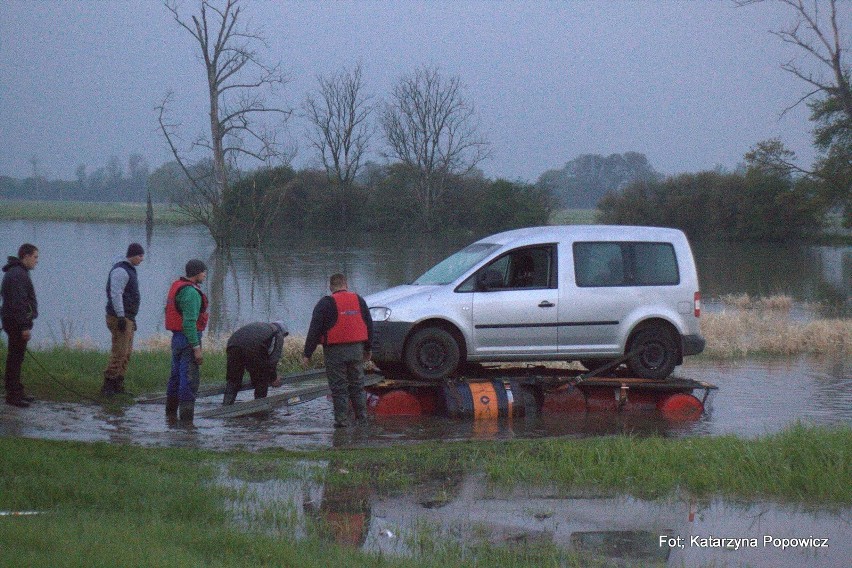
{"type": "Point", "coordinates": [236, 77]}
{"type": "Point", "coordinates": [340, 133]}
{"type": "Point", "coordinates": [817, 34]}
{"type": "Point", "coordinates": [430, 127]}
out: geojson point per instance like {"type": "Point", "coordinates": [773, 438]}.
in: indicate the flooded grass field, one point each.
{"type": "Point", "coordinates": [755, 397]}
{"type": "Point", "coordinates": [616, 529]}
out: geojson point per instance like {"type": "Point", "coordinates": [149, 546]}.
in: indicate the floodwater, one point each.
{"type": "Point", "coordinates": [755, 397]}
{"type": "Point", "coordinates": [284, 279]}
{"type": "Point", "coordinates": [469, 513]}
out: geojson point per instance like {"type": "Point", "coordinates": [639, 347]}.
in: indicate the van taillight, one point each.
{"type": "Point", "coordinates": [698, 304]}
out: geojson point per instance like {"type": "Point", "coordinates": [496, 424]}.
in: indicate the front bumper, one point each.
{"type": "Point", "coordinates": [389, 339]}
{"type": "Point", "coordinates": [693, 344]}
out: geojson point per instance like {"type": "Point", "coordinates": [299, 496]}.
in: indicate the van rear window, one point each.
{"type": "Point", "coordinates": [599, 264]}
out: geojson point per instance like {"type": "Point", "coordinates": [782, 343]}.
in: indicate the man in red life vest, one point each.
{"type": "Point", "coordinates": [186, 318]}
{"type": "Point", "coordinates": [342, 323]}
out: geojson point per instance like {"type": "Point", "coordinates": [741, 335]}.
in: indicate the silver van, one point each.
{"type": "Point", "coordinates": [587, 293]}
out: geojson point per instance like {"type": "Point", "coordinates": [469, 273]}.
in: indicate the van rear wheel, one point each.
{"type": "Point", "coordinates": [658, 356]}
{"type": "Point", "coordinates": [432, 354]}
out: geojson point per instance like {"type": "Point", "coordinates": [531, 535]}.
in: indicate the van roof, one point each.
{"type": "Point", "coordinates": [530, 235]}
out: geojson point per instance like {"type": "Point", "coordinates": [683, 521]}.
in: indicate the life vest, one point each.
{"type": "Point", "coordinates": [350, 326]}
{"type": "Point", "coordinates": [174, 319]}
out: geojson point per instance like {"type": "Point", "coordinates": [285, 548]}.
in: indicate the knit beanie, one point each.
{"type": "Point", "coordinates": [135, 249]}
{"type": "Point", "coordinates": [195, 267]}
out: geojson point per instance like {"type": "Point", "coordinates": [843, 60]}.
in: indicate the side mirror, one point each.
{"type": "Point", "coordinates": [488, 279]}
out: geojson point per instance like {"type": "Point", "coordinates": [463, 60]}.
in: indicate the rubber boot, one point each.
{"type": "Point", "coordinates": [359, 406]}
{"type": "Point", "coordinates": [231, 391]}
{"type": "Point", "coordinates": [118, 385]}
{"type": "Point", "coordinates": [108, 388]}
{"type": "Point", "coordinates": [171, 407]}
{"type": "Point", "coordinates": [186, 411]}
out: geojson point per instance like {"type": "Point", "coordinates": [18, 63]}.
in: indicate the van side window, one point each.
{"type": "Point", "coordinates": [525, 268]}
{"type": "Point", "coordinates": [603, 264]}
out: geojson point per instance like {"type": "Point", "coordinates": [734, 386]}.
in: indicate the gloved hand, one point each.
{"type": "Point", "coordinates": [135, 327]}
{"type": "Point", "coordinates": [122, 324]}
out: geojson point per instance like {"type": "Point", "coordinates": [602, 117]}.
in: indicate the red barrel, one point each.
{"type": "Point", "coordinates": [563, 400]}
{"type": "Point", "coordinates": [681, 406]}
{"type": "Point", "coordinates": [397, 402]}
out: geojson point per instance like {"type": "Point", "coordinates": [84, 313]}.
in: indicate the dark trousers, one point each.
{"type": "Point", "coordinates": [344, 367]}
{"type": "Point", "coordinates": [239, 363]}
{"type": "Point", "coordinates": [14, 360]}
{"type": "Point", "coordinates": [184, 380]}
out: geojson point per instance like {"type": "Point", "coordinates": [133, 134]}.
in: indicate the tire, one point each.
{"type": "Point", "coordinates": [431, 354]}
{"type": "Point", "coordinates": [659, 356]}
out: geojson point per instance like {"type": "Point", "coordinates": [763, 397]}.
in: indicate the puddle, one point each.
{"type": "Point", "coordinates": [626, 530]}
{"type": "Point", "coordinates": [754, 398]}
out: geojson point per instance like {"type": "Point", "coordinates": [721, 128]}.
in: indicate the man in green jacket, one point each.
{"type": "Point", "coordinates": [186, 318]}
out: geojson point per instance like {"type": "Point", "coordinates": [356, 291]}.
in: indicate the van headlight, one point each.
{"type": "Point", "coordinates": [380, 314]}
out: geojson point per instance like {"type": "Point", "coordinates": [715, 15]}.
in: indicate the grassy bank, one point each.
{"type": "Point", "coordinates": [75, 372]}
{"type": "Point", "coordinates": [87, 211]}
{"type": "Point", "coordinates": [123, 505]}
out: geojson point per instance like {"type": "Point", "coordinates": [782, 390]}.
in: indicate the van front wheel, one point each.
{"type": "Point", "coordinates": [658, 353]}
{"type": "Point", "coordinates": [432, 354]}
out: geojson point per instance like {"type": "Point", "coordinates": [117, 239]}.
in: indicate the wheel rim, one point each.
{"type": "Point", "coordinates": [432, 355]}
{"type": "Point", "coordinates": [654, 356]}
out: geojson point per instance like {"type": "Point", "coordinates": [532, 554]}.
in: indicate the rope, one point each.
{"type": "Point", "coordinates": [58, 382]}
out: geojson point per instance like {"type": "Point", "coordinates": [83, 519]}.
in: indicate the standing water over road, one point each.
{"type": "Point", "coordinates": [754, 398]}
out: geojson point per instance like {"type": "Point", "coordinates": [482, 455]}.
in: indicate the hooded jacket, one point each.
{"type": "Point", "coordinates": [20, 307]}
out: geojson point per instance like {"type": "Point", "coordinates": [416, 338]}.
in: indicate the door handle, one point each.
{"type": "Point", "coordinates": [546, 304]}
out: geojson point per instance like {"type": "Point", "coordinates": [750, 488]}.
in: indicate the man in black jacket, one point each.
{"type": "Point", "coordinates": [341, 322]}
{"type": "Point", "coordinates": [255, 347]}
{"type": "Point", "coordinates": [20, 309]}
{"type": "Point", "coordinates": [123, 299]}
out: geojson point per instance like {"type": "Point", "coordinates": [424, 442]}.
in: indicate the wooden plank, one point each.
{"type": "Point", "coordinates": [219, 389]}
{"type": "Point", "coordinates": [286, 399]}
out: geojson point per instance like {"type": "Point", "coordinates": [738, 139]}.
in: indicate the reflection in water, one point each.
{"type": "Point", "coordinates": [427, 519]}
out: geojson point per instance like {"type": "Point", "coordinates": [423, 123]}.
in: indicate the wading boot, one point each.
{"type": "Point", "coordinates": [17, 401]}
{"type": "Point", "coordinates": [108, 388]}
{"type": "Point", "coordinates": [186, 411]}
{"type": "Point", "coordinates": [171, 407]}
{"type": "Point", "coordinates": [231, 391]}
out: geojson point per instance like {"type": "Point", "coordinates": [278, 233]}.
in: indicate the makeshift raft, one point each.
{"type": "Point", "coordinates": [487, 393]}
{"type": "Point", "coordinates": [500, 392]}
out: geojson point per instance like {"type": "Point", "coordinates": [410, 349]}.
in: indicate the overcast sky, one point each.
{"type": "Point", "coordinates": [692, 85]}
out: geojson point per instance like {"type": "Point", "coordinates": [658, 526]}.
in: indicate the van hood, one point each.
{"type": "Point", "coordinates": [397, 293]}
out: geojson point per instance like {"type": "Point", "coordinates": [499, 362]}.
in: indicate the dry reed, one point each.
{"type": "Point", "coordinates": [290, 356]}
{"type": "Point", "coordinates": [762, 326]}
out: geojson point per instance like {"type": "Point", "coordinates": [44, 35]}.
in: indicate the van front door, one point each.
{"type": "Point", "coordinates": [515, 304]}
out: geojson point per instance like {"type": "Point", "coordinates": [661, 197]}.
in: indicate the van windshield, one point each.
{"type": "Point", "coordinates": [454, 266]}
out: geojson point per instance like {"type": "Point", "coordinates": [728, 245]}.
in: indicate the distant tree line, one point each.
{"type": "Point", "coordinates": [382, 198]}
{"type": "Point", "coordinates": [111, 182]}
{"type": "Point", "coordinates": [753, 205]}
{"type": "Point", "coordinates": [588, 177]}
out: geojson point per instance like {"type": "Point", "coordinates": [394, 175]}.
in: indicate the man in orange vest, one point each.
{"type": "Point", "coordinates": [342, 323]}
{"type": "Point", "coordinates": [186, 318]}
